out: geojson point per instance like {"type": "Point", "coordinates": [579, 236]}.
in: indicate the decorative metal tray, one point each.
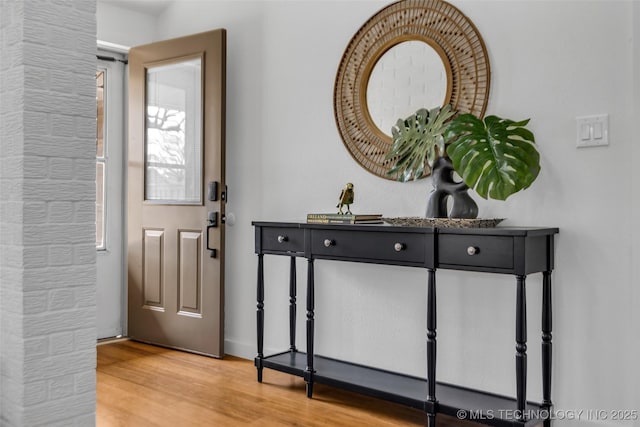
{"type": "Point", "coordinates": [444, 222]}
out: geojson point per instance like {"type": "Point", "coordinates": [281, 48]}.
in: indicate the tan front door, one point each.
{"type": "Point", "coordinates": [176, 185]}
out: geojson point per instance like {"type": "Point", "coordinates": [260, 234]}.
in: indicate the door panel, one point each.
{"type": "Point", "coordinates": [189, 267]}
{"type": "Point", "coordinates": [176, 148]}
{"type": "Point", "coordinates": [152, 278]}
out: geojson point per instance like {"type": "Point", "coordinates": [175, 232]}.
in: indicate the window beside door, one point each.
{"type": "Point", "coordinates": [110, 200]}
{"type": "Point", "coordinates": [100, 160]}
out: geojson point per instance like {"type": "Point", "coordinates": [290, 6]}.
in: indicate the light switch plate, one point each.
{"type": "Point", "coordinates": [592, 131]}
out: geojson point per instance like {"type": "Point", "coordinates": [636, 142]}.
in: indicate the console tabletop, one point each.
{"type": "Point", "coordinates": [518, 251]}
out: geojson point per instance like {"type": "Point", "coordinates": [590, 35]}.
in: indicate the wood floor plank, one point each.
{"type": "Point", "coordinates": [144, 385]}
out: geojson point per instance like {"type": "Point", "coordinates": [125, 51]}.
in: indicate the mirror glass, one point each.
{"type": "Point", "coordinates": [409, 76]}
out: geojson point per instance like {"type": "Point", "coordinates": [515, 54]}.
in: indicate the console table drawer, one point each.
{"type": "Point", "coordinates": [402, 248]}
{"type": "Point", "coordinates": [282, 239]}
{"type": "Point", "coordinates": [476, 251]}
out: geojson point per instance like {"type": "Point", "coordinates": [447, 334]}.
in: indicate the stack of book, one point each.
{"type": "Point", "coordinates": [328, 218]}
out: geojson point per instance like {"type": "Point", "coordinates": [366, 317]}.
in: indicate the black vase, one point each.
{"type": "Point", "coordinates": [444, 186]}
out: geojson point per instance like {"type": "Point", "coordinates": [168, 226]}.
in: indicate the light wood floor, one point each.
{"type": "Point", "coordinates": [143, 385]}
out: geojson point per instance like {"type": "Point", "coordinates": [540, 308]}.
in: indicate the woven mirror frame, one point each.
{"type": "Point", "coordinates": [435, 22]}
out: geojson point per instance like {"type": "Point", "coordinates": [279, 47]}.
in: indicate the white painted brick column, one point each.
{"type": "Point", "coordinates": [47, 212]}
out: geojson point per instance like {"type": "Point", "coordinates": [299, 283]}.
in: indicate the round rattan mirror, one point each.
{"type": "Point", "coordinates": [444, 30]}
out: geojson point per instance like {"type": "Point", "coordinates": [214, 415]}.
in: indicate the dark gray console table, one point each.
{"type": "Point", "coordinates": [516, 251]}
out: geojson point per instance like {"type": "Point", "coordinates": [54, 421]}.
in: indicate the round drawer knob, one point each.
{"type": "Point", "coordinates": [282, 239]}
{"type": "Point", "coordinates": [328, 242]}
{"type": "Point", "coordinates": [398, 247]}
{"type": "Point", "coordinates": [472, 250]}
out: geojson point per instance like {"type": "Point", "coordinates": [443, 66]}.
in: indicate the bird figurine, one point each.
{"type": "Point", "coordinates": [346, 198]}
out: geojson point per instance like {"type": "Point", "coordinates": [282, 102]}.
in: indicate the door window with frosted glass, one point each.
{"type": "Point", "coordinates": [173, 146]}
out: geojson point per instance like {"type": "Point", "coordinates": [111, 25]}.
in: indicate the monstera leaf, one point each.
{"type": "Point", "coordinates": [418, 140]}
{"type": "Point", "coordinates": [496, 157]}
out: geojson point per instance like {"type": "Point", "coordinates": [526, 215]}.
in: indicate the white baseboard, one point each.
{"type": "Point", "coordinates": [240, 349]}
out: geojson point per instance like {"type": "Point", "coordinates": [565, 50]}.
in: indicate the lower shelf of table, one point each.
{"type": "Point", "coordinates": [479, 406]}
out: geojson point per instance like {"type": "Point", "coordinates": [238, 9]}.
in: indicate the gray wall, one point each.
{"type": "Point", "coordinates": [47, 213]}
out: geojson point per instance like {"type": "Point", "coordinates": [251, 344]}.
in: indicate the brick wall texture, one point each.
{"type": "Point", "coordinates": [47, 212]}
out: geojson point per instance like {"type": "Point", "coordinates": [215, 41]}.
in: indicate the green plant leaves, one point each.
{"type": "Point", "coordinates": [495, 157]}
{"type": "Point", "coordinates": [417, 141]}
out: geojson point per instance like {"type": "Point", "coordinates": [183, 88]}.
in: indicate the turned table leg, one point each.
{"type": "Point", "coordinates": [521, 347]}
{"type": "Point", "coordinates": [260, 316]}
{"type": "Point", "coordinates": [546, 344]}
{"type": "Point", "coordinates": [431, 348]}
{"type": "Point", "coordinates": [292, 304]}
{"type": "Point", "coordinates": [308, 373]}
